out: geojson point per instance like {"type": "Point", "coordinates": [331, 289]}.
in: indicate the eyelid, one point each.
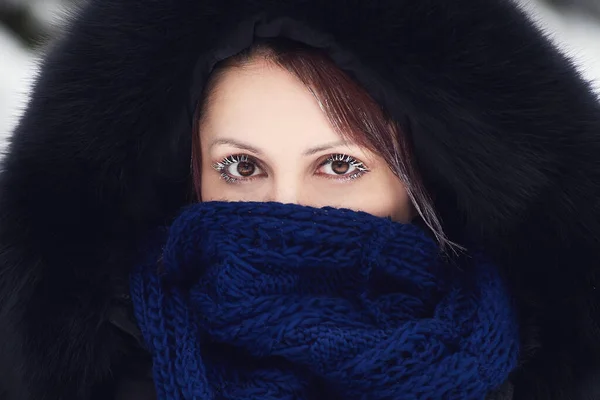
{"type": "Point", "coordinates": [238, 157]}
{"type": "Point", "coordinates": [230, 159]}
{"type": "Point", "coordinates": [343, 157]}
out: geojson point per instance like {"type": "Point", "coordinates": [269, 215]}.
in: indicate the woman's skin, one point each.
{"type": "Point", "coordinates": [264, 137]}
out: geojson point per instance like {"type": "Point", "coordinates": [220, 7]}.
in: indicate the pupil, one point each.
{"type": "Point", "coordinates": [340, 167]}
{"type": "Point", "coordinates": [245, 168]}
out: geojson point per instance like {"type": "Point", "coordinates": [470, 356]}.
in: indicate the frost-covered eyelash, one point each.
{"type": "Point", "coordinates": [349, 159]}
{"type": "Point", "coordinates": [227, 178]}
{"type": "Point", "coordinates": [221, 165]}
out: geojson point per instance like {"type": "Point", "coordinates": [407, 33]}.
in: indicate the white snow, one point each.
{"type": "Point", "coordinates": [17, 68]}
{"type": "Point", "coordinates": [577, 34]}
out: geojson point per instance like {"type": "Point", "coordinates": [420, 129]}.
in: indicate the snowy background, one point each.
{"type": "Point", "coordinates": [27, 25]}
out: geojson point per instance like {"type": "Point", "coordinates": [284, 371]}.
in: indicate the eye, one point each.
{"type": "Point", "coordinates": [237, 167]}
{"type": "Point", "coordinates": [342, 166]}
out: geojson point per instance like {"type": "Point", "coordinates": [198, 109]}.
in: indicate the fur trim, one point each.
{"type": "Point", "coordinates": [505, 130]}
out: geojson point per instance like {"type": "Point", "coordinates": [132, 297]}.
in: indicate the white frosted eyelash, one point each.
{"type": "Point", "coordinates": [220, 166]}
{"type": "Point", "coordinates": [345, 158]}
{"type": "Point", "coordinates": [228, 178]}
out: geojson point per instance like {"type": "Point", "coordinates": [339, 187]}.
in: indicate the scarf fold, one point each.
{"type": "Point", "coordinates": [278, 301]}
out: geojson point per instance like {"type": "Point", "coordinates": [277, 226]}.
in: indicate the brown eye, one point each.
{"type": "Point", "coordinates": [340, 167]}
{"type": "Point", "coordinates": [246, 168]}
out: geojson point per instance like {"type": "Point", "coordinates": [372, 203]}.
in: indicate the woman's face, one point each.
{"type": "Point", "coordinates": [264, 137]}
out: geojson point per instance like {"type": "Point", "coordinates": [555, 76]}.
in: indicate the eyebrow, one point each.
{"type": "Point", "coordinates": [245, 146]}
{"type": "Point", "coordinates": [237, 144]}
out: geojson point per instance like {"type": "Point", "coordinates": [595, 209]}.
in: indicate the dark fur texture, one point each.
{"type": "Point", "coordinates": [506, 133]}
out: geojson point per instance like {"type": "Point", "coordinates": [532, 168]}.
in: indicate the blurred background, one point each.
{"type": "Point", "coordinates": [27, 26]}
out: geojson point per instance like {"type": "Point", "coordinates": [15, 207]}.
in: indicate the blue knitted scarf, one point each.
{"type": "Point", "coordinates": [257, 301]}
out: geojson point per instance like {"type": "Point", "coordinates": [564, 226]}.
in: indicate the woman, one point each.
{"type": "Point", "coordinates": [458, 120]}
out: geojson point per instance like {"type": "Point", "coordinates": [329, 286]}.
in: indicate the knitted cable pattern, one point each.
{"type": "Point", "coordinates": [271, 301]}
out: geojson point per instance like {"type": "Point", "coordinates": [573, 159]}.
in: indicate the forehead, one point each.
{"type": "Point", "coordinates": [266, 105]}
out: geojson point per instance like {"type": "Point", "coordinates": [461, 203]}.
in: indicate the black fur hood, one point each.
{"type": "Point", "coordinates": [506, 133]}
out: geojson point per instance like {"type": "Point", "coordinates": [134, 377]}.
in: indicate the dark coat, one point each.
{"type": "Point", "coordinates": [506, 133]}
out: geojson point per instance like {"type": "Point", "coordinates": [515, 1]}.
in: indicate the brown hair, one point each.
{"type": "Point", "coordinates": [351, 111]}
